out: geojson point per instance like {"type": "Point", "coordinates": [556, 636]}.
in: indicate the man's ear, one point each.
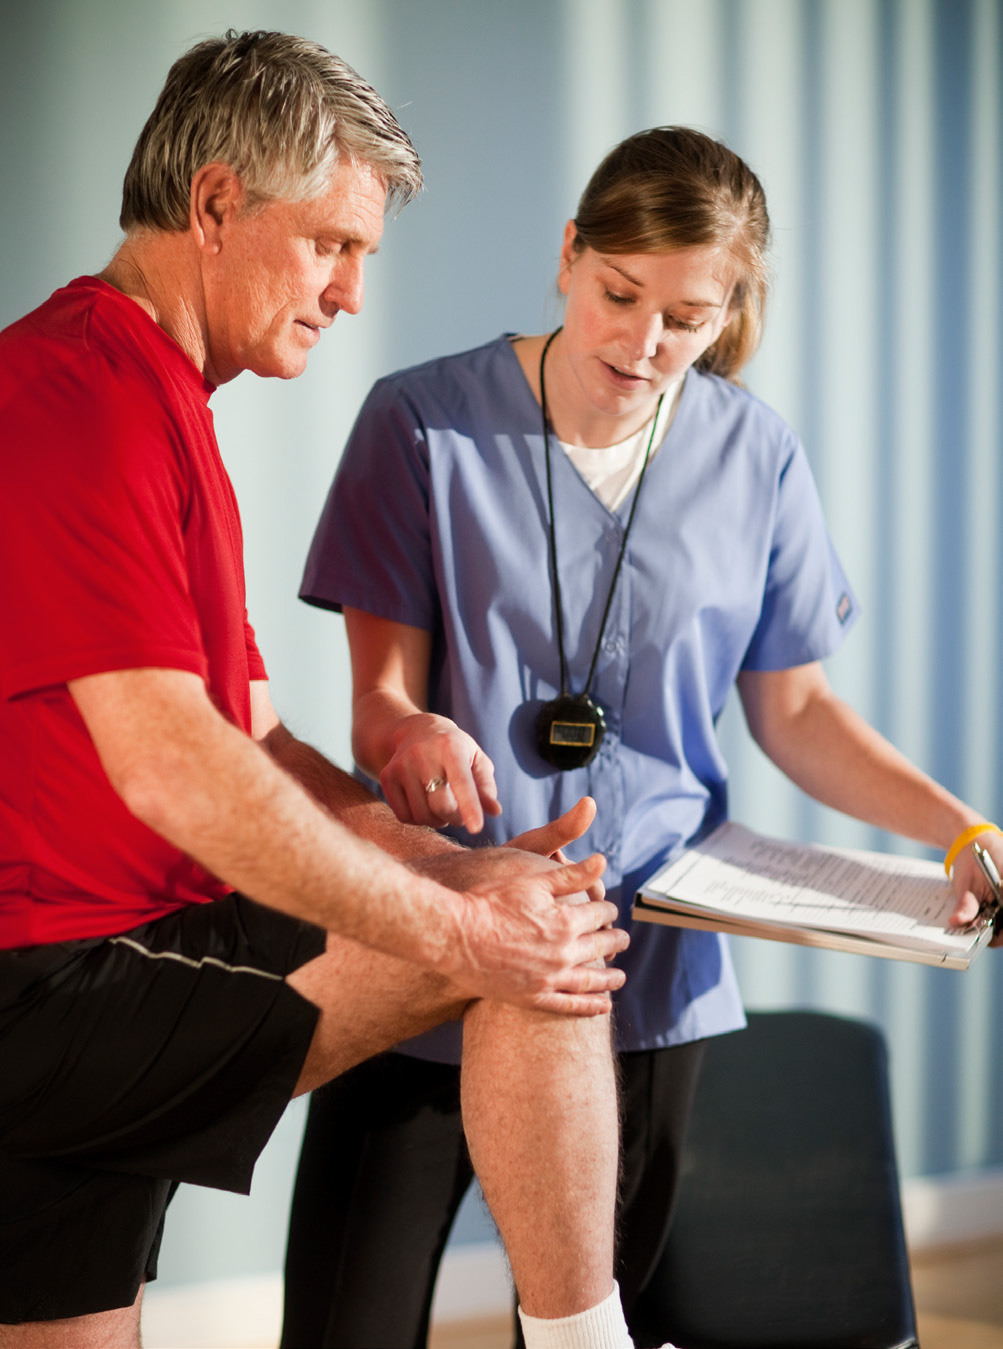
{"type": "Point", "coordinates": [216, 199]}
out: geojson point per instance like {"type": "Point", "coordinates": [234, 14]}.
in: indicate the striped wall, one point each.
{"type": "Point", "coordinates": [883, 122]}
{"type": "Point", "coordinates": [875, 126]}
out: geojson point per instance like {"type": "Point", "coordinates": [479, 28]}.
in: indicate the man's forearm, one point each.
{"type": "Point", "coordinates": [218, 796]}
{"type": "Point", "coordinates": [350, 802]}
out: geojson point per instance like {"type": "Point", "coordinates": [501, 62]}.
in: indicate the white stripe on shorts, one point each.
{"type": "Point", "coordinates": [194, 964]}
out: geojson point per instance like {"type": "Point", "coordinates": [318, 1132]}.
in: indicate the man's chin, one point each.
{"type": "Point", "coordinates": [288, 367]}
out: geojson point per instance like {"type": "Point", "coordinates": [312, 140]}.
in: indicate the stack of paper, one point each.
{"type": "Point", "coordinates": [872, 903]}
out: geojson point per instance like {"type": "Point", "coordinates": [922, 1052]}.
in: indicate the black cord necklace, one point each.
{"type": "Point", "coordinates": [570, 728]}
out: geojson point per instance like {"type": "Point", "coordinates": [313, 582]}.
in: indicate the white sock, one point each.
{"type": "Point", "coordinates": [601, 1327]}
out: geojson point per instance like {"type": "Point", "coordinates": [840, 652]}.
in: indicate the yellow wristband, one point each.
{"type": "Point", "coordinates": [966, 837]}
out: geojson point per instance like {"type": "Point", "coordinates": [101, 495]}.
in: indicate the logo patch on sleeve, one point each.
{"type": "Point", "coordinates": [844, 607]}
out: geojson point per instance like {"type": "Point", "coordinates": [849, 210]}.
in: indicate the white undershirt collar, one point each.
{"type": "Point", "coordinates": [612, 470]}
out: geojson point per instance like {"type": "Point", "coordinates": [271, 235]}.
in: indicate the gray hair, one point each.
{"type": "Point", "coordinates": [281, 111]}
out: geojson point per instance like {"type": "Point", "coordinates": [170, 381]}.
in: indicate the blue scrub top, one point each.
{"type": "Point", "coordinates": [438, 518]}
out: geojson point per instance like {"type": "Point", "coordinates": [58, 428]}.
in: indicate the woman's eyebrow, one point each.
{"type": "Point", "coordinates": [625, 274]}
{"type": "Point", "coordinates": [690, 304]}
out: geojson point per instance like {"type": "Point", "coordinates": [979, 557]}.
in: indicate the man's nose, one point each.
{"type": "Point", "coordinates": [346, 285]}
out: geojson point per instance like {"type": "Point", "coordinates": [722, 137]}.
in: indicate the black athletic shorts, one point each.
{"type": "Point", "coordinates": [127, 1064]}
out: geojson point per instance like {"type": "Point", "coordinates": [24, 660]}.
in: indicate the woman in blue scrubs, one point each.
{"type": "Point", "coordinates": [556, 554]}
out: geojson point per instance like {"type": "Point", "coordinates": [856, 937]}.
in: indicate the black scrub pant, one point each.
{"type": "Point", "coordinates": [382, 1172]}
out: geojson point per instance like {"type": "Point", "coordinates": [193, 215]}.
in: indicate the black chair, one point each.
{"type": "Point", "coordinates": [788, 1232]}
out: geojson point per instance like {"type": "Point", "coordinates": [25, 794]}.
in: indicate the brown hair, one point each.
{"type": "Point", "coordinates": [673, 187]}
{"type": "Point", "coordinates": [280, 110]}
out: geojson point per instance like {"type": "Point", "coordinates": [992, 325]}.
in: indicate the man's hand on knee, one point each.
{"type": "Point", "coordinates": [529, 934]}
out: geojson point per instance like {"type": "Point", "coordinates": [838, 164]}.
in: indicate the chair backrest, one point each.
{"type": "Point", "coordinates": [788, 1232]}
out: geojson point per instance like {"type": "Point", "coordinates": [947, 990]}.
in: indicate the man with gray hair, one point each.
{"type": "Point", "coordinates": [201, 917]}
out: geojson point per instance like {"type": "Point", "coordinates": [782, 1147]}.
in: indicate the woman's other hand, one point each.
{"type": "Point", "coordinates": [971, 889]}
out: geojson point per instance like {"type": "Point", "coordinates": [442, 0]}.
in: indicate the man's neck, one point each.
{"type": "Point", "coordinates": [152, 268]}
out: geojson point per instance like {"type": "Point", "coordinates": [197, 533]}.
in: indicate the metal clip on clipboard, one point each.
{"type": "Point", "coordinates": [989, 914]}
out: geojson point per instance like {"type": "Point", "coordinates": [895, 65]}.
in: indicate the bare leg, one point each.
{"type": "Point", "coordinates": [117, 1329]}
{"type": "Point", "coordinates": [368, 1003]}
{"type": "Point", "coordinates": [539, 1108]}
{"type": "Point", "coordinates": [540, 1114]}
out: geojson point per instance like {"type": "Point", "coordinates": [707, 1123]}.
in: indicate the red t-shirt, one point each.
{"type": "Point", "coordinates": [120, 548]}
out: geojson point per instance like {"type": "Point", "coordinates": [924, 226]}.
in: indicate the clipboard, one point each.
{"type": "Point", "coordinates": [747, 884]}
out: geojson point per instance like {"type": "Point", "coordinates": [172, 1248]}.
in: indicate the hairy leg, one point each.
{"type": "Point", "coordinates": [539, 1109]}
{"type": "Point", "coordinates": [540, 1113]}
{"type": "Point", "coordinates": [118, 1329]}
{"type": "Point", "coordinates": [368, 1002]}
